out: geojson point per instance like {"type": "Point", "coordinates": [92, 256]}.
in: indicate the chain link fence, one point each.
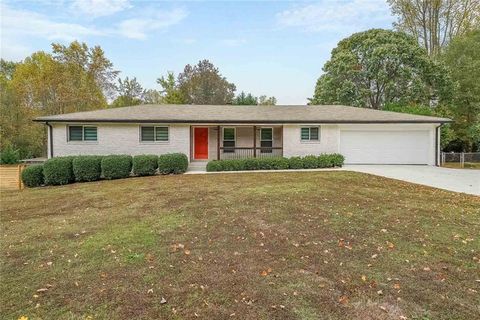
{"type": "Point", "coordinates": [469, 160]}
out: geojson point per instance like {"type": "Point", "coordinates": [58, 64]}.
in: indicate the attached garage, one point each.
{"type": "Point", "coordinates": [408, 146]}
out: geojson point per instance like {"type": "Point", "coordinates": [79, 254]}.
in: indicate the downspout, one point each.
{"type": "Point", "coordinates": [50, 140]}
{"type": "Point", "coordinates": [437, 140]}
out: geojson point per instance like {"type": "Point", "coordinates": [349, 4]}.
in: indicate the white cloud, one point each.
{"type": "Point", "coordinates": [100, 8]}
{"type": "Point", "coordinates": [138, 28]}
{"type": "Point", "coordinates": [17, 23]}
{"type": "Point", "coordinates": [343, 16]}
{"type": "Point", "coordinates": [11, 50]}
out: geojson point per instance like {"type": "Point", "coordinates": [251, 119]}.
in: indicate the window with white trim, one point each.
{"type": "Point", "coordinates": [266, 140]}
{"type": "Point", "coordinates": [82, 133]}
{"type": "Point", "coordinates": [154, 134]}
{"type": "Point", "coordinates": [310, 133]}
{"type": "Point", "coordinates": [228, 140]}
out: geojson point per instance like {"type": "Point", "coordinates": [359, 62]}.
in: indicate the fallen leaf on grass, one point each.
{"type": "Point", "coordinates": [343, 300]}
{"type": "Point", "coordinates": [266, 272]}
{"type": "Point", "coordinates": [390, 245]}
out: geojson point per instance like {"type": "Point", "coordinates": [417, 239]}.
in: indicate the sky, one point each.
{"type": "Point", "coordinates": [273, 48]}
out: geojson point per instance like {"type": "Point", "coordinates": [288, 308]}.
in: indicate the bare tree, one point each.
{"type": "Point", "coordinates": [435, 22]}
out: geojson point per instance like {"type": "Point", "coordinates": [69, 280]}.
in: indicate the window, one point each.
{"type": "Point", "coordinates": [310, 134]}
{"type": "Point", "coordinates": [82, 133]}
{"type": "Point", "coordinates": [266, 140]}
{"type": "Point", "coordinates": [153, 134]}
{"type": "Point", "coordinates": [228, 140]}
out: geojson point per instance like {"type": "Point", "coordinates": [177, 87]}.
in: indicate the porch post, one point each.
{"type": "Point", "coordinates": [254, 141]}
{"type": "Point", "coordinates": [218, 142]}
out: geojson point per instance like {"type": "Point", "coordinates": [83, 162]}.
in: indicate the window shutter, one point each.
{"type": "Point", "coordinates": [313, 133]}
{"type": "Point", "coordinates": [148, 134]}
{"type": "Point", "coordinates": [229, 134]}
{"type": "Point", "coordinates": [161, 133]}
{"type": "Point", "coordinates": [305, 135]}
{"type": "Point", "coordinates": [266, 134]}
{"type": "Point", "coordinates": [75, 133]}
{"type": "Point", "coordinates": [90, 133]}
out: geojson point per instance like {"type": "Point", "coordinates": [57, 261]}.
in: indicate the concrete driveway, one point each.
{"type": "Point", "coordinates": [458, 180]}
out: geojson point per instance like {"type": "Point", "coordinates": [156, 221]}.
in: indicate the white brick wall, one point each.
{"type": "Point", "coordinates": [294, 146]}
{"type": "Point", "coordinates": [120, 139]}
{"type": "Point", "coordinates": [125, 139]}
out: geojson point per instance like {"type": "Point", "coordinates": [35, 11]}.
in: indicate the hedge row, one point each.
{"type": "Point", "coordinates": [277, 163]}
{"type": "Point", "coordinates": [64, 170]}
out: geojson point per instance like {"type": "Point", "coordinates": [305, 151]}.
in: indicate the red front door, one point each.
{"type": "Point", "coordinates": [200, 143]}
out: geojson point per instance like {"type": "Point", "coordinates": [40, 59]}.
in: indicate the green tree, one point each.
{"type": "Point", "coordinates": [435, 22]}
{"type": "Point", "coordinates": [73, 78]}
{"type": "Point", "coordinates": [375, 67]}
{"type": "Point", "coordinates": [267, 101]}
{"type": "Point", "coordinates": [39, 85]}
{"type": "Point", "coordinates": [245, 99]}
{"type": "Point", "coordinates": [91, 62]}
{"type": "Point", "coordinates": [130, 93]}
{"type": "Point", "coordinates": [462, 57]}
{"type": "Point", "coordinates": [152, 96]}
{"type": "Point", "coordinates": [203, 84]}
{"type": "Point", "coordinates": [447, 134]}
{"type": "Point", "coordinates": [171, 94]}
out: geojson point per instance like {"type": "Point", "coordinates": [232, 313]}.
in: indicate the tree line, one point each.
{"type": "Point", "coordinates": [77, 78]}
{"type": "Point", "coordinates": [429, 64]}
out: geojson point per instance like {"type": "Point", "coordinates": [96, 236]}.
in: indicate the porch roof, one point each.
{"type": "Point", "coordinates": [233, 114]}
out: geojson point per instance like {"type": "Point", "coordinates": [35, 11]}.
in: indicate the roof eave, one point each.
{"type": "Point", "coordinates": [242, 121]}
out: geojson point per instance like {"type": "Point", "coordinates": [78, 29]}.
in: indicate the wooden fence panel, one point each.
{"type": "Point", "coordinates": [11, 177]}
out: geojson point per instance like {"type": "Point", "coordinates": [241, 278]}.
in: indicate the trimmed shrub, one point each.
{"type": "Point", "coordinates": [337, 159]}
{"type": "Point", "coordinates": [295, 163]}
{"type": "Point", "coordinates": [215, 165]}
{"type": "Point", "coordinates": [116, 166]}
{"type": "Point", "coordinates": [32, 176]}
{"type": "Point", "coordinates": [324, 161]}
{"type": "Point", "coordinates": [251, 164]}
{"type": "Point", "coordinates": [277, 163]}
{"type": "Point", "coordinates": [172, 163]}
{"type": "Point", "coordinates": [87, 168]}
{"type": "Point", "coordinates": [145, 165]}
{"type": "Point", "coordinates": [310, 162]}
{"type": "Point", "coordinates": [9, 155]}
{"type": "Point", "coordinates": [58, 171]}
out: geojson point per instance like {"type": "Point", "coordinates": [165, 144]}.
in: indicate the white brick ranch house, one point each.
{"type": "Point", "coordinates": [208, 132]}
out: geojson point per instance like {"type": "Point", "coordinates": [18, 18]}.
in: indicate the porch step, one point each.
{"type": "Point", "coordinates": [196, 166]}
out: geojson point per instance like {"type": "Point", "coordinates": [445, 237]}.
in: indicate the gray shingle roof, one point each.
{"type": "Point", "coordinates": [241, 114]}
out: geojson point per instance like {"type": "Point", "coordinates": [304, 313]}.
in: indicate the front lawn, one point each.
{"type": "Point", "coordinates": [322, 245]}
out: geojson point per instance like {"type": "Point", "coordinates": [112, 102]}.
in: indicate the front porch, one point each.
{"type": "Point", "coordinates": [235, 142]}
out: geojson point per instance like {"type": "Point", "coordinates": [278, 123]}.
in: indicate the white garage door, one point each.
{"type": "Point", "coordinates": [385, 147]}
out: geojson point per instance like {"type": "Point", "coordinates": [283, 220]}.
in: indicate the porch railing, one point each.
{"type": "Point", "coordinates": [246, 152]}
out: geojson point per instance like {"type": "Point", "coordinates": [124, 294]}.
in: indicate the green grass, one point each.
{"type": "Point", "coordinates": [466, 165]}
{"type": "Point", "coordinates": [323, 245]}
